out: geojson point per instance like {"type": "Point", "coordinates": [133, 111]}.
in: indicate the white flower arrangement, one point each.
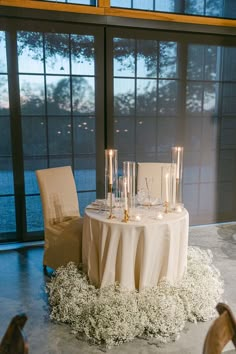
{"type": "Point", "coordinates": [113, 315]}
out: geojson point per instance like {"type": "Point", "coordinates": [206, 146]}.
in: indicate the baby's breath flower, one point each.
{"type": "Point", "coordinates": [113, 315]}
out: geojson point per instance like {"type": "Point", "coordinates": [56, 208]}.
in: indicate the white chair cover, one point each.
{"type": "Point", "coordinates": [62, 222]}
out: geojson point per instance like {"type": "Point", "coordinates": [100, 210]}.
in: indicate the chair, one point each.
{"type": "Point", "coordinates": [222, 331]}
{"type": "Point", "coordinates": [155, 170]}
{"type": "Point", "coordinates": [62, 221]}
{"type": "Point", "coordinates": [14, 341]}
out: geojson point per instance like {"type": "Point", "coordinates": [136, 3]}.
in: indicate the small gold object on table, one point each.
{"type": "Point", "coordinates": [126, 216]}
{"type": "Point", "coordinates": [111, 216]}
{"type": "Point", "coordinates": [166, 205]}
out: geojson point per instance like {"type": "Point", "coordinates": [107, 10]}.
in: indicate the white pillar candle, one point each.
{"type": "Point", "coordinates": [167, 187]}
{"type": "Point", "coordinates": [125, 195]}
{"type": "Point", "coordinates": [110, 168]}
{"type": "Point", "coordinates": [178, 163]}
{"type": "Point", "coordinates": [128, 178]}
{"type": "Point", "coordinates": [173, 183]}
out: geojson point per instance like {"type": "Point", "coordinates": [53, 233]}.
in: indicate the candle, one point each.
{"type": "Point", "coordinates": [167, 187]}
{"type": "Point", "coordinates": [179, 207]}
{"type": "Point", "coordinates": [173, 183]}
{"type": "Point", "coordinates": [125, 194]}
{"type": "Point", "coordinates": [160, 215]}
{"type": "Point", "coordinates": [178, 163]}
{"type": "Point", "coordinates": [110, 168]}
{"type": "Point", "coordinates": [128, 177]}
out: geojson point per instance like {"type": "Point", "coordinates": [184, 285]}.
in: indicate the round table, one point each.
{"type": "Point", "coordinates": [136, 254]}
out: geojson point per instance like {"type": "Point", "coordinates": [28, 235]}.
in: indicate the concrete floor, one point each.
{"type": "Point", "coordinates": [22, 289]}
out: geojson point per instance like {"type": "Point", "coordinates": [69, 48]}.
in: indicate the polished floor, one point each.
{"type": "Point", "coordinates": [22, 289]}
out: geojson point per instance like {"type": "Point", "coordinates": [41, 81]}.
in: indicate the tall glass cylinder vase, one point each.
{"type": "Point", "coordinates": [168, 191]}
{"type": "Point", "coordinates": [177, 158]}
{"type": "Point", "coordinates": [111, 177]}
{"type": "Point", "coordinates": [129, 173]}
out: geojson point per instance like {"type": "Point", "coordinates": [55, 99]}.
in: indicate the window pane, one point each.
{"type": "Point", "coordinates": [194, 98]}
{"type": "Point", "coordinates": [167, 96]}
{"type": "Point", "coordinates": [147, 58]}
{"type": "Point", "coordinates": [203, 63]}
{"type": "Point", "coordinates": [195, 7]}
{"type": "Point", "coordinates": [83, 97]}
{"type": "Point", "coordinates": [59, 134]}
{"type": "Point", "coordinates": [146, 97]}
{"type": "Point", "coordinates": [58, 95]}
{"type": "Point", "coordinates": [229, 98]}
{"type": "Point", "coordinates": [32, 94]}
{"type": "Point", "coordinates": [85, 178]}
{"type": "Point", "coordinates": [34, 136]}
{"type": "Point", "coordinates": [146, 132]}
{"type": "Point", "coordinates": [4, 101]}
{"type": "Point", "coordinates": [215, 8]}
{"type": "Point", "coordinates": [30, 52]}
{"type": "Point", "coordinates": [85, 199]}
{"type": "Point", "coordinates": [82, 55]}
{"type": "Point", "coordinates": [34, 213]}
{"type": "Point", "coordinates": [6, 183]}
{"type": "Point", "coordinates": [123, 57]}
{"type": "Point", "coordinates": [8, 219]}
{"type": "Point", "coordinates": [210, 98]}
{"type": "Point", "coordinates": [3, 58]}
{"type": "Point", "coordinates": [82, 2]}
{"type": "Point", "coordinates": [125, 134]}
{"type": "Point", "coordinates": [124, 96]}
{"type": "Point", "coordinates": [84, 135]}
{"type": "Point", "coordinates": [229, 59]}
{"type": "Point", "coordinates": [121, 3]}
{"type": "Point", "coordinates": [57, 53]}
{"type": "Point", "coordinates": [31, 185]}
{"type": "Point", "coordinates": [168, 60]}
{"type": "Point", "coordinates": [167, 5]}
{"type": "Point", "coordinates": [143, 4]}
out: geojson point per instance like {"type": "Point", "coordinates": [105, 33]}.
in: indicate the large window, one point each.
{"type": "Point", "coordinates": [178, 93]}
{"type": "Point", "coordinates": [7, 199]}
{"type": "Point", "coordinates": [57, 122]}
{"type": "Point", "coordinates": [211, 8]}
{"type": "Point", "coordinates": [70, 90]}
{"type": "Point", "coordinates": [146, 80]}
{"type": "Point", "coordinates": [57, 90]}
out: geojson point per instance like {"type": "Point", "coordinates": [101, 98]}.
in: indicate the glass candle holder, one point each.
{"type": "Point", "coordinates": [111, 176]}
{"type": "Point", "coordinates": [129, 175]}
{"type": "Point", "coordinates": [168, 186]}
{"type": "Point", "coordinates": [177, 158]}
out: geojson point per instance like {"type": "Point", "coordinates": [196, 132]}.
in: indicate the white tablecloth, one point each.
{"type": "Point", "coordinates": [135, 254]}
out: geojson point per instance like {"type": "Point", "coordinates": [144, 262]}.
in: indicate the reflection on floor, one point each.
{"type": "Point", "coordinates": [22, 289]}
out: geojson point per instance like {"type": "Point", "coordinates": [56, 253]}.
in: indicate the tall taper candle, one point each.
{"type": "Point", "coordinates": [125, 195]}
{"type": "Point", "coordinates": [167, 187]}
{"type": "Point", "coordinates": [178, 163]}
{"type": "Point", "coordinates": [110, 168]}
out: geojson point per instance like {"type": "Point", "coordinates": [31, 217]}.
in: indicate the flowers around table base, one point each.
{"type": "Point", "coordinates": [114, 315]}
